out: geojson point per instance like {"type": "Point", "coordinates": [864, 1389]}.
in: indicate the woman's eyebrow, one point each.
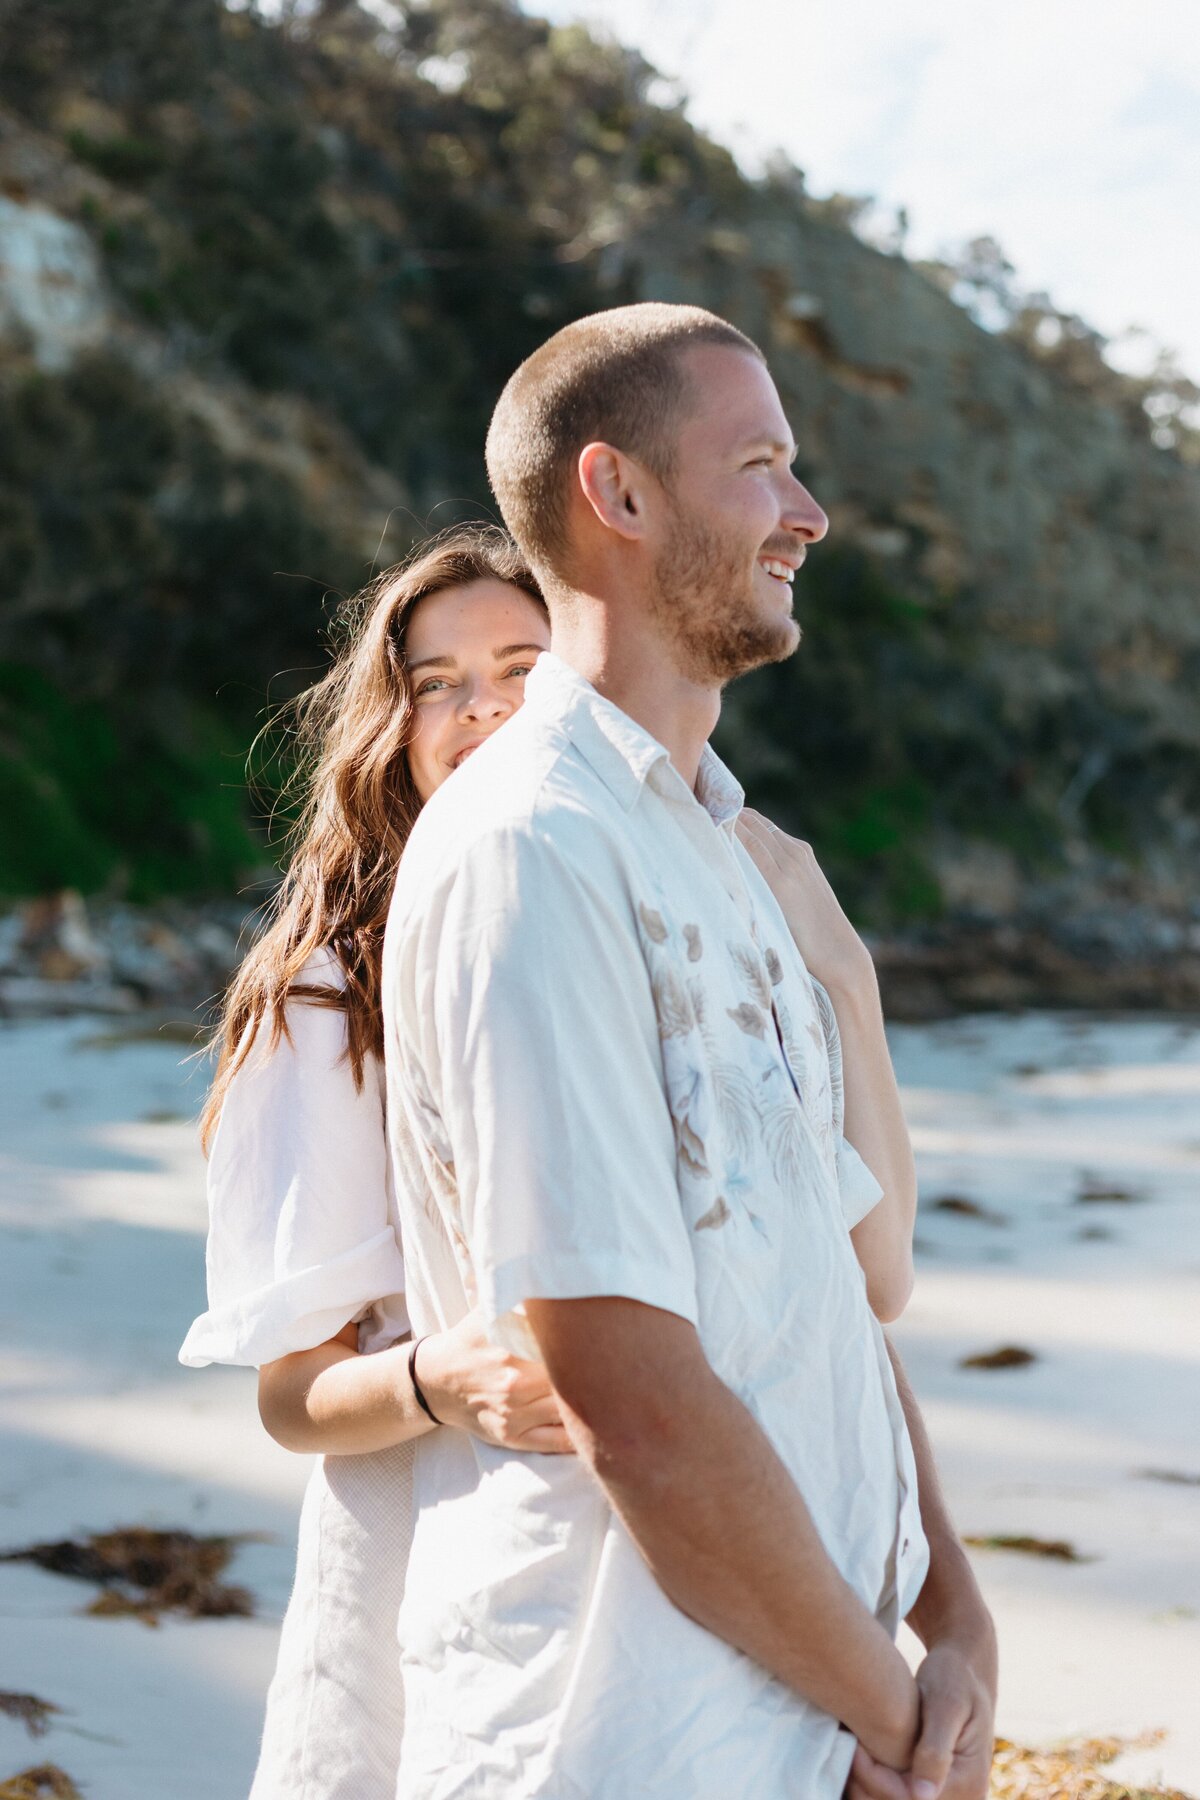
{"type": "Point", "coordinates": [431, 662]}
{"type": "Point", "coordinates": [446, 661]}
{"type": "Point", "coordinates": [512, 649]}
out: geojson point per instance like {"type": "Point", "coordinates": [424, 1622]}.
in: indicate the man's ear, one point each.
{"type": "Point", "coordinates": [614, 486]}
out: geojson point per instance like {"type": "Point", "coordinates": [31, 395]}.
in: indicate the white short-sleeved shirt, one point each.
{"type": "Point", "coordinates": [608, 1073]}
{"type": "Point", "coordinates": [303, 1238]}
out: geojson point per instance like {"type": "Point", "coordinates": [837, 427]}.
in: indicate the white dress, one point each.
{"type": "Point", "coordinates": [303, 1238]}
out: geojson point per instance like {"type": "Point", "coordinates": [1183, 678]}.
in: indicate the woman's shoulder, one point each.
{"type": "Point", "coordinates": [324, 968]}
{"type": "Point", "coordinates": [296, 1083]}
{"type": "Point", "coordinates": [311, 1039]}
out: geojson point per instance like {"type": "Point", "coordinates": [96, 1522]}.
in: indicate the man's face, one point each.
{"type": "Point", "coordinates": [734, 525]}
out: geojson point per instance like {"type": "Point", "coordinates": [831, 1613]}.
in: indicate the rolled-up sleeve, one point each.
{"type": "Point", "coordinates": [300, 1241]}
{"type": "Point", "coordinates": [534, 1054]}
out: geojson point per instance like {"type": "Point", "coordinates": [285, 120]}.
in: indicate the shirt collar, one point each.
{"type": "Point", "coordinates": [718, 790]}
{"type": "Point", "coordinates": [621, 752]}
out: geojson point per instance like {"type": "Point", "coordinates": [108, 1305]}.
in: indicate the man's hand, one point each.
{"type": "Point", "coordinates": [953, 1755]}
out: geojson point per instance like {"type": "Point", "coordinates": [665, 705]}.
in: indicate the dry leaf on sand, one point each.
{"type": "Point", "coordinates": [1070, 1772]}
{"type": "Point", "coordinates": [46, 1782]}
{"type": "Point", "coordinates": [1008, 1356]}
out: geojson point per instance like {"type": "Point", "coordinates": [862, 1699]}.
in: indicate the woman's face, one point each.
{"type": "Point", "coordinates": [468, 651]}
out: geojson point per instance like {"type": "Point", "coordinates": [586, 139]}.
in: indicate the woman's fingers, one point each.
{"type": "Point", "coordinates": [513, 1422]}
{"type": "Point", "coordinates": [533, 1428]}
{"type": "Point", "coordinates": [757, 841]}
{"type": "Point", "coordinates": [773, 841]}
{"type": "Point", "coordinates": [548, 1440]}
{"type": "Point", "coordinates": [541, 1402]}
{"type": "Point", "coordinates": [530, 1386]}
{"type": "Point", "coordinates": [776, 854]}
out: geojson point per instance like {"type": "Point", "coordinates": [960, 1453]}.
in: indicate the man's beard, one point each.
{"type": "Point", "coordinates": [708, 609]}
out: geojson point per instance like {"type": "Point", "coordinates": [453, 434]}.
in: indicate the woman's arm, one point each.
{"type": "Point", "coordinates": [874, 1122]}
{"type": "Point", "coordinates": [333, 1401]}
{"type": "Point", "coordinates": [957, 1679]}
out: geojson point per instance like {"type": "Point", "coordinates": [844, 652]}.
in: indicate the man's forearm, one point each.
{"type": "Point", "coordinates": [720, 1522]}
{"type": "Point", "coordinates": [950, 1606]}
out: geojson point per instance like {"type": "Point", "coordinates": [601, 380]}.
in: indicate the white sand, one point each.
{"type": "Point", "coordinates": [101, 1229]}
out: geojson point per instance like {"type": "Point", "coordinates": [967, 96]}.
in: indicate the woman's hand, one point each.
{"type": "Point", "coordinates": [478, 1387]}
{"type": "Point", "coordinates": [831, 948]}
{"type": "Point", "coordinates": [332, 1401]}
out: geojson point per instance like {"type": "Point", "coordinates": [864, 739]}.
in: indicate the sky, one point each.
{"type": "Point", "coordinates": [1067, 129]}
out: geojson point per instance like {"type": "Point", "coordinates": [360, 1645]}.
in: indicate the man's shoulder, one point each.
{"type": "Point", "coordinates": [526, 794]}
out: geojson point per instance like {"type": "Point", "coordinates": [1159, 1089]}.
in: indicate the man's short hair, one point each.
{"type": "Point", "coordinates": [613, 377]}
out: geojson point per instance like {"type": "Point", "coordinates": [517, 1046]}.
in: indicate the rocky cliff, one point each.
{"type": "Point", "coordinates": [259, 286]}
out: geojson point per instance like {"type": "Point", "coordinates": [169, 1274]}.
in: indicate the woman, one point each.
{"type": "Point", "coordinates": [305, 1271]}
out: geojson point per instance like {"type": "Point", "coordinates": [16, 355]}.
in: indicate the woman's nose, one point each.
{"type": "Point", "coordinates": [484, 700]}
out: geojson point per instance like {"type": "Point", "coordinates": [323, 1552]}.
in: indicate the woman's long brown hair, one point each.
{"type": "Point", "coordinates": [351, 731]}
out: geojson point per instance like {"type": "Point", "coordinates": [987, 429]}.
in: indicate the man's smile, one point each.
{"type": "Point", "coordinates": [783, 568]}
{"type": "Point", "coordinates": [780, 570]}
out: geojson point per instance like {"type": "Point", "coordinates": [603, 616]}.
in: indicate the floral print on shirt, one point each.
{"type": "Point", "coordinates": [725, 1111]}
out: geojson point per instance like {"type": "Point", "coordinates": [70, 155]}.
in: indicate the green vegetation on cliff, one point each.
{"type": "Point", "coordinates": [303, 257]}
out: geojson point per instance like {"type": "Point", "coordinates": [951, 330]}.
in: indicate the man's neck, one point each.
{"type": "Point", "coordinates": [634, 669]}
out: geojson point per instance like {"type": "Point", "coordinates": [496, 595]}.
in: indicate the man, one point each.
{"type": "Point", "coordinates": [613, 1089]}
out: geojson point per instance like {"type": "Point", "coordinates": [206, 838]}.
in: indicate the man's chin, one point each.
{"type": "Point", "coordinates": [753, 647]}
{"type": "Point", "coordinates": [773, 641]}
{"type": "Point", "coordinates": [789, 641]}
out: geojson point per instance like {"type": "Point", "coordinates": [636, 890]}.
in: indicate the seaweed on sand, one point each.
{"type": "Point", "coordinates": [1054, 1549]}
{"type": "Point", "coordinates": [965, 1208]}
{"type": "Point", "coordinates": [144, 1573]}
{"type": "Point", "coordinates": [1070, 1772]}
{"type": "Point", "coordinates": [46, 1782]}
{"type": "Point", "coordinates": [1008, 1356]}
{"type": "Point", "coordinates": [1095, 1192]}
{"type": "Point", "coordinates": [33, 1713]}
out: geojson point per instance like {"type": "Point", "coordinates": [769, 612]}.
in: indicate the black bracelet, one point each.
{"type": "Point", "coordinates": [422, 1402]}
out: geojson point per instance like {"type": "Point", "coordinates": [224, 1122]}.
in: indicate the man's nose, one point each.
{"type": "Point", "coordinates": [803, 516]}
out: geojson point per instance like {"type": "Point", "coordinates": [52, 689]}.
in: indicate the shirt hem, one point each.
{"type": "Point", "coordinates": [582, 1278]}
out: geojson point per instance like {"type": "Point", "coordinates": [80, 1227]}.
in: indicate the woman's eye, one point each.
{"type": "Point", "coordinates": [431, 686]}
{"type": "Point", "coordinates": [520, 669]}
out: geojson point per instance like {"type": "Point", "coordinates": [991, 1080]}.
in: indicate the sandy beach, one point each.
{"type": "Point", "coordinates": [1060, 1182]}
